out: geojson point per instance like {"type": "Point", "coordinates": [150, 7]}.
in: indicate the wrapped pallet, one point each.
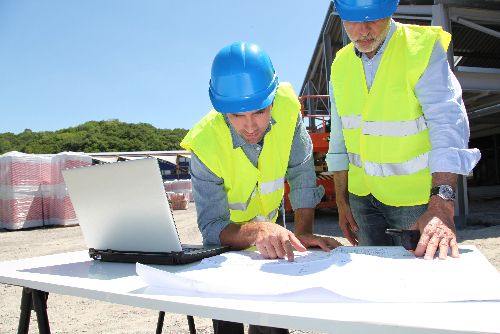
{"type": "Point", "coordinates": [21, 202]}
{"type": "Point", "coordinates": [58, 209]}
{"type": "Point", "coordinates": [180, 187]}
{"type": "Point", "coordinates": [32, 189]}
{"type": "Point", "coordinates": [178, 201]}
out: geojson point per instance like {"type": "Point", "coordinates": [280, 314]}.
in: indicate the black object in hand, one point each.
{"type": "Point", "coordinates": [409, 238]}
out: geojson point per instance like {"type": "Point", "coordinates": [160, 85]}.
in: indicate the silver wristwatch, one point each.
{"type": "Point", "coordinates": [444, 191]}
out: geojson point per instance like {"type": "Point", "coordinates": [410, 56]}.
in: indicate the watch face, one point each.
{"type": "Point", "coordinates": [446, 192]}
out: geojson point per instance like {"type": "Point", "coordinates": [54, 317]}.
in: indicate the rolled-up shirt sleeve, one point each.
{"type": "Point", "coordinates": [440, 95]}
{"type": "Point", "coordinates": [301, 175]}
{"type": "Point", "coordinates": [336, 158]}
{"type": "Point", "coordinates": [211, 201]}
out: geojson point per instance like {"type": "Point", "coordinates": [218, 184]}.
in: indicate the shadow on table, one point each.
{"type": "Point", "coordinates": [88, 269]}
{"type": "Point", "coordinates": [309, 295]}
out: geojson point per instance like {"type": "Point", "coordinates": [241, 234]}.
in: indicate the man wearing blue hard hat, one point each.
{"type": "Point", "coordinates": [399, 130]}
{"type": "Point", "coordinates": [242, 151]}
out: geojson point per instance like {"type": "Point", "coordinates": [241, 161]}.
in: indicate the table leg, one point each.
{"type": "Point", "coordinates": [192, 328]}
{"type": "Point", "coordinates": [159, 325]}
{"type": "Point", "coordinates": [26, 306]}
{"type": "Point", "coordinates": [40, 306]}
{"type": "Point", "coordinates": [34, 300]}
{"type": "Point", "coordinates": [161, 318]}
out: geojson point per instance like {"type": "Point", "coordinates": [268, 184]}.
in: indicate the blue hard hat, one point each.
{"type": "Point", "coordinates": [243, 79]}
{"type": "Point", "coordinates": [365, 10]}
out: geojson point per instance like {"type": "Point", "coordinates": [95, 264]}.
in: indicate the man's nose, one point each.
{"type": "Point", "coordinates": [250, 124]}
{"type": "Point", "coordinates": [363, 28]}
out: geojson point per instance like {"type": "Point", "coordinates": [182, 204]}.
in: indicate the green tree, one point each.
{"type": "Point", "coordinates": [94, 136]}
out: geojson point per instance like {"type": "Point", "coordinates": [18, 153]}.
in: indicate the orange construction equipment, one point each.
{"type": "Point", "coordinates": [318, 126]}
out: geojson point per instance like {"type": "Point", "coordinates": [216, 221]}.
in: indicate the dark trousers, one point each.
{"type": "Point", "coordinates": [228, 327]}
{"type": "Point", "coordinates": [374, 217]}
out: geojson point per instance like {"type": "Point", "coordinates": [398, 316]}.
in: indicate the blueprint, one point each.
{"type": "Point", "coordinates": [378, 274]}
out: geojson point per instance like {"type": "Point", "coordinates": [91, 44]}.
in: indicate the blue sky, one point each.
{"type": "Point", "coordinates": [65, 62]}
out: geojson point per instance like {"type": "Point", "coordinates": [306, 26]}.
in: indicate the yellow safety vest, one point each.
{"type": "Point", "coordinates": [254, 193]}
{"type": "Point", "coordinates": [385, 132]}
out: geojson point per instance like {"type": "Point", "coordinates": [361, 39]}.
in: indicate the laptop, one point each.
{"type": "Point", "coordinates": [125, 216]}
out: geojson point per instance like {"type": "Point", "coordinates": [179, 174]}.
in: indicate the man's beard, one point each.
{"type": "Point", "coordinates": [376, 41]}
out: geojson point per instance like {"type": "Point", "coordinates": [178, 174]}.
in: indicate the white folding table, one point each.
{"type": "Point", "coordinates": [75, 274]}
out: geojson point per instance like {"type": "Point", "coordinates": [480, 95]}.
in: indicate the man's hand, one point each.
{"type": "Point", "coordinates": [437, 230]}
{"type": "Point", "coordinates": [274, 241]}
{"type": "Point", "coordinates": [347, 223]}
{"type": "Point", "coordinates": [323, 242]}
{"type": "Point", "coordinates": [271, 240]}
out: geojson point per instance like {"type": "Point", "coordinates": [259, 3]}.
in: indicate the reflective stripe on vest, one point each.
{"type": "Point", "coordinates": [400, 129]}
{"type": "Point", "coordinates": [270, 186]}
{"type": "Point", "coordinates": [243, 206]}
{"type": "Point", "coordinates": [390, 169]}
{"type": "Point", "coordinates": [267, 218]}
{"type": "Point", "coordinates": [265, 188]}
{"type": "Point", "coordinates": [351, 121]}
{"type": "Point", "coordinates": [384, 128]}
{"type": "Point", "coordinates": [210, 139]}
{"type": "Point", "coordinates": [375, 128]}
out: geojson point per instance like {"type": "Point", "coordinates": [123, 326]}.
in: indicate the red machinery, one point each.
{"type": "Point", "coordinates": [319, 131]}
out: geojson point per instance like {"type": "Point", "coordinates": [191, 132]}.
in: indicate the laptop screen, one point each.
{"type": "Point", "coordinates": [123, 206]}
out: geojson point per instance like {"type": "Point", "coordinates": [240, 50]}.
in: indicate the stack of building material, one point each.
{"type": "Point", "coordinates": [20, 190]}
{"type": "Point", "coordinates": [58, 209]}
{"type": "Point", "coordinates": [180, 187]}
{"type": "Point", "coordinates": [32, 191]}
{"type": "Point", "coordinates": [178, 201]}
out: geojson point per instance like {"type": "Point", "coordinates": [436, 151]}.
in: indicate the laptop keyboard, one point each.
{"type": "Point", "coordinates": [191, 249]}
